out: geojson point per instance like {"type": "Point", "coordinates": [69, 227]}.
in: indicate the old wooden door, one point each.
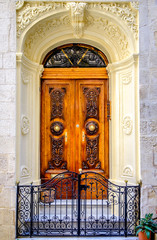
{"type": "Point", "coordinates": [74, 103]}
{"type": "Point", "coordinates": [74, 124]}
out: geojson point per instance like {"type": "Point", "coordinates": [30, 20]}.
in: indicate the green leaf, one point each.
{"type": "Point", "coordinates": [138, 231]}
{"type": "Point", "coordinates": [148, 234]}
{"type": "Point", "coordinates": [148, 228]}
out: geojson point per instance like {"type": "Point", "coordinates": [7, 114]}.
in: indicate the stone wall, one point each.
{"type": "Point", "coordinates": [148, 99]}
{"type": "Point", "coordinates": [148, 104]}
{"type": "Point", "coordinates": [7, 118]}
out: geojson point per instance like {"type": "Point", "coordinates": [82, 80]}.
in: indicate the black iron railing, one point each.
{"type": "Point", "coordinates": [74, 204]}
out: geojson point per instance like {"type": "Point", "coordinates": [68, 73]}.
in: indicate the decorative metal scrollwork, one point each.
{"type": "Point", "coordinates": [56, 128]}
{"type": "Point", "coordinates": [92, 102]}
{"type": "Point", "coordinates": [91, 127]}
{"type": "Point", "coordinates": [92, 154]}
{"type": "Point", "coordinates": [57, 146]}
{"type": "Point", "coordinates": [75, 55]}
{"type": "Point", "coordinates": [57, 102]}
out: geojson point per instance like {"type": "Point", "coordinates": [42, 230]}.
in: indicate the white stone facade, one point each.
{"type": "Point", "coordinates": [13, 164]}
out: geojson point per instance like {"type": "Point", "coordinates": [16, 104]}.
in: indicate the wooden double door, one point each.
{"type": "Point", "coordinates": [74, 124]}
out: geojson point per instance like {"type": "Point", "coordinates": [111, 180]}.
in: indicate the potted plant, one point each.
{"type": "Point", "coordinates": [146, 226]}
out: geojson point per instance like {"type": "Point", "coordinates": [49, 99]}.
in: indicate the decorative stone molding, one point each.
{"type": "Point", "coordinates": [19, 4]}
{"type": "Point", "coordinates": [32, 10]}
{"type": "Point", "coordinates": [112, 31]}
{"type": "Point", "coordinates": [107, 28]}
{"type": "Point", "coordinates": [27, 13]}
{"type": "Point", "coordinates": [24, 171]}
{"type": "Point", "coordinates": [25, 125]}
{"type": "Point", "coordinates": [41, 31]}
{"type": "Point", "coordinates": [122, 10]}
{"type": "Point", "coordinates": [41, 69]}
{"type": "Point", "coordinates": [26, 77]}
{"type": "Point", "coordinates": [127, 125]}
{"type": "Point", "coordinates": [126, 78]}
{"type": "Point", "coordinates": [128, 171]}
{"type": "Point", "coordinates": [77, 17]}
{"type": "Point", "coordinates": [135, 5]}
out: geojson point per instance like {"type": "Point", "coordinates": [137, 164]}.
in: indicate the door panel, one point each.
{"type": "Point", "coordinates": [57, 127]}
{"type": "Point", "coordinates": [74, 125]}
{"type": "Point", "coordinates": [91, 117]}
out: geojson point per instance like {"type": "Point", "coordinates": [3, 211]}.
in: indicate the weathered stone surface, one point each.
{"type": "Point", "coordinates": [153, 77]}
{"type": "Point", "coordinates": [153, 92]}
{"type": "Point", "coordinates": [7, 93]}
{"type": "Point", "coordinates": [143, 127]}
{"type": "Point", "coordinates": [144, 90]}
{"type": "Point", "coordinates": [144, 76]}
{"type": "Point", "coordinates": [10, 76]}
{"type": "Point", "coordinates": [152, 127]}
{"type": "Point", "coordinates": [7, 110]}
{"type": "Point", "coordinates": [9, 60]}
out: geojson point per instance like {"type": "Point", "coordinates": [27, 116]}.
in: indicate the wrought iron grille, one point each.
{"type": "Point", "coordinates": [75, 55]}
{"type": "Point", "coordinates": [72, 204]}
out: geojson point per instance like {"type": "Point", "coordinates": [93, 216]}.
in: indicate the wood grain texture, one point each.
{"type": "Point", "coordinates": [75, 118]}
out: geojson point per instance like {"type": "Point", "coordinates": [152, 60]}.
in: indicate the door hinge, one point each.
{"type": "Point", "coordinates": [108, 110]}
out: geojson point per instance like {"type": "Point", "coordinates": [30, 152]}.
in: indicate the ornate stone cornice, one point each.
{"type": "Point", "coordinates": [27, 12]}
{"type": "Point", "coordinates": [125, 11]}
{"type": "Point", "coordinates": [30, 11]}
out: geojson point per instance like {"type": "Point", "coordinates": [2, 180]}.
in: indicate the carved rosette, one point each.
{"type": "Point", "coordinates": [25, 125]}
{"type": "Point", "coordinates": [92, 102]}
{"type": "Point", "coordinates": [19, 4]}
{"type": "Point", "coordinates": [127, 125]}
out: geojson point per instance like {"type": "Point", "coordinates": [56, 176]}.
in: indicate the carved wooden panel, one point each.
{"type": "Point", "coordinates": [56, 116]}
{"type": "Point", "coordinates": [57, 102]}
{"type": "Point", "coordinates": [92, 102]}
{"type": "Point", "coordinates": [92, 116]}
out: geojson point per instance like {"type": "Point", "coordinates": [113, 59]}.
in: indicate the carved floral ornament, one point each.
{"type": "Point", "coordinates": [126, 78]}
{"type": "Point", "coordinates": [127, 125]}
{"type": "Point", "coordinates": [27, 12]}
{"type": "Point", "coordinates": [109, 29]}
{"type": "Point", "coordinates": [25, 125]}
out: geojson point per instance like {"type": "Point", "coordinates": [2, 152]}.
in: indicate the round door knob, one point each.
{"type": "Point", "coordinates": [91, 127]}
{"type": "Point", "coordinates": [57, 128]}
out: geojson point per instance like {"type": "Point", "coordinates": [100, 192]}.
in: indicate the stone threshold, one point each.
{"type": "Point", "coordinates": [80, 238]}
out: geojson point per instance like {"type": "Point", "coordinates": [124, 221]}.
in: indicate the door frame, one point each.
{"type": "Point", "coordinates": [79, 74]}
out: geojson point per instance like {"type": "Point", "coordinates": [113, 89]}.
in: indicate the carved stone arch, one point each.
{"type": "Point", "coordinates": [121, 49]}
{"type": "Point", "coordinates": [113, 28]}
